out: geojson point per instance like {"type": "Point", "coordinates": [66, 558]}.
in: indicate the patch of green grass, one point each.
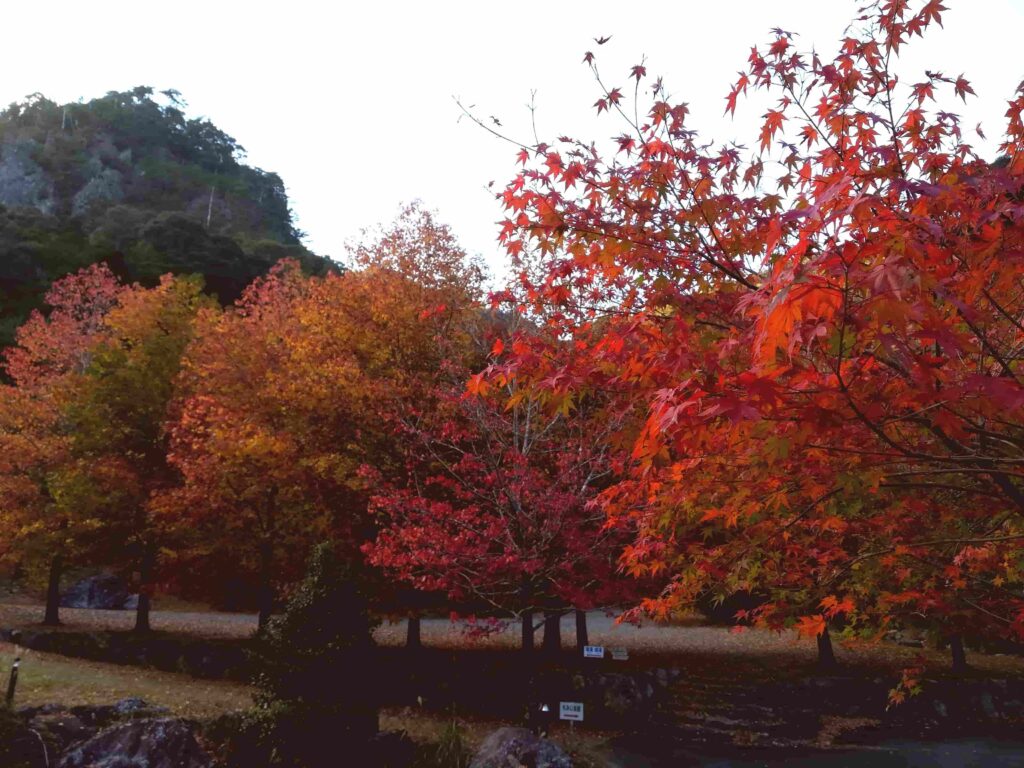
{"type": "Point", "coordinates": [436, 734]}
{"type": "Point", "coordinates": [46, 678]}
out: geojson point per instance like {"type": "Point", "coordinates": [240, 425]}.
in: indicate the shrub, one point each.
{"type": "Point", "coordinates": [19, 748]}
{"type": "Point", "coordinates": [317, 701]}
{"type": "Point", "coordinates": [452, 751]}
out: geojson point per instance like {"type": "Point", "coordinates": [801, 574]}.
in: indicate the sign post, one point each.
{"type": "Point", "coordinates": [13, 682]}
{"type": "Point", "coordinates": [571, 711]}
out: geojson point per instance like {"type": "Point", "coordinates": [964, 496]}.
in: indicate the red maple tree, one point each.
{"type": "Point", "coordinates": [830, 357]}
{"type": "Point", "coordinates": [496, 507]}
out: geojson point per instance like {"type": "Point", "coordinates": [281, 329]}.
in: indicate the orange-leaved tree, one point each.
{"type": "Point", "coordinates": [117, 415]}
{"type": "Point", "coordinates": [39, 520]}
{"type": "Point", "coordinates": [287, 395]}
{"type": "Point", "coordinates": [246, 495]}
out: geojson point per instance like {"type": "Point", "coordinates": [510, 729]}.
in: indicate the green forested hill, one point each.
{"type": "Point", "coordinates": [128, 179]}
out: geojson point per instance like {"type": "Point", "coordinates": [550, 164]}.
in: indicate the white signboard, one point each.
{"type": "Point", "coordinates": [620, 654]}
{"type": "Point", "coordinates": [570, 710]}
{"type": "Point", "coordinates": [593, 651]}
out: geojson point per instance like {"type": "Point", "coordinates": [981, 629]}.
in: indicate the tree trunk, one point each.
{"type": "Point", "coordinates": [145, 588]}
{"type": "Point", "coordinates": [412, 632]}
{"type": "Point", "coordinates": [527, 628]}
{"type": "Point", "coordinates": [209, 208]}
{"type": "Point", "coordinates": [956, 648]}
{"type": "Point", "coordinates": [552, 632]}
{"type": "Point", "coordinates": [52, 617]}
{"type": "Point", "coordinates": [266, 584]}
{"type": "Point", "coordinates": [826, 656]}
{"type": "Point", "coordinates": [582, 638]}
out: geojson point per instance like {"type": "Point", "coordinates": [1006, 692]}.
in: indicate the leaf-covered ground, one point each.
{"type": "Point", "coordinates": [691, 638]}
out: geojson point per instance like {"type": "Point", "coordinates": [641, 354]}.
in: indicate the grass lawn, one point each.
{"type": "Point", "coordinates": [46, 678]}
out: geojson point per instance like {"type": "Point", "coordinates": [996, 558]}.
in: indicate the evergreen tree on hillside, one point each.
{"type": "Point", "coordinates": [128, 178]}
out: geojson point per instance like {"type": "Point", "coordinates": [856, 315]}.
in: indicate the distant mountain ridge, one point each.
{"type": "Point", "coordinates": [129, 179]}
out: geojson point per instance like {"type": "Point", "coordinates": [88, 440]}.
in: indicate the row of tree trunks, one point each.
{"type": "Point", "coordinates": [51, 615]}
{"type": "Point", "coordinates": [147, 566]}
{"type": "Point", "coordinates": [827, 656]}
{"type": "Point", "coordinates": [552, 641]}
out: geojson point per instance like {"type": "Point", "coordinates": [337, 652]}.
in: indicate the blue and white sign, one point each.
{"type": "Point", "coordinates": [570, 710]}
{"type": "Point", "coordinates": [593, 651]}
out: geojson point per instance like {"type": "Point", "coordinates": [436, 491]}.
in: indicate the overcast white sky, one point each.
{"type": "Point", "coordinates": [352, 104]}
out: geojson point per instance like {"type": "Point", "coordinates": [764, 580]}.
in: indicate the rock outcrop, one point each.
{"type": "Point", "coordinates": [167, 743]}
{"type": "Point", "coordinates": [519, 747]}
{"type": "Point", "coordinates": [101, 591]}
{"type": "Point", "coordinates": [56, 726]}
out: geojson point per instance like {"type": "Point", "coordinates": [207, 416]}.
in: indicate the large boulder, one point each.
{"type": "Point", "coordinates": [167, 743]}
{"type": "Point", "coordinates": [101, 591]}
{"type": "Point", "coordinates": [23, 182]}
{"type": "Point", "coordinates": [134, 708]}
{"type": "Point", "coordinates": [58, 726]}
{"type": "Point", "coordinates": [514, 747]}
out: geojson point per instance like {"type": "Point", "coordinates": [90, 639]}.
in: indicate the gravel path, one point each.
{"type": "Point", "coordinates": [199, 623]}
{"type": "Point", "coordinates": [687, 639]}
{"type": "Point", "coordinates": [602, 629]}
{"type": "Point", "coordinates": [693, 638]}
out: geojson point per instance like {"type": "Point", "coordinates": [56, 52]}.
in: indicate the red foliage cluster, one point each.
{"type": "Point", "coordinates": [830, 359]}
